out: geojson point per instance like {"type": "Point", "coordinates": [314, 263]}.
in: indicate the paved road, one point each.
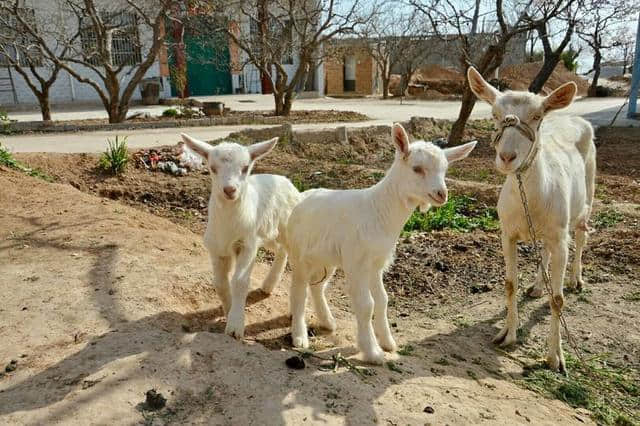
{"type": "Point", "coordinates": [598, 111]}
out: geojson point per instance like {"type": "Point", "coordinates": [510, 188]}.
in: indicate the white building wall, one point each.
{"type": "Point", "coordinates": [66, 88]}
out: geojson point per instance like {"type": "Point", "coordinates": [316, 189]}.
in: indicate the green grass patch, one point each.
{"type": "Point", "coordinates": [7, 160]}
{"type": "Point", "coordinates": [607, 218]}
{"type": "Point", "coordinates": [632, 297]}
{"type": "Point", "coordinates": [461, 213]}
{"type": "Point", "coordinates": [610, 392]}
{"type": "Point", "coordinates": [116, 157]}
{"type": "Point", "coordinates": [406, 350]}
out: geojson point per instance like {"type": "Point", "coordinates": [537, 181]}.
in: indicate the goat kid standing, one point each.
{"type": "Point", "coordinates": [557, 163]}
{"type": "Point", "coordinates": [357, 231]}
{"type": "Point", "coordinates": [245, 212]}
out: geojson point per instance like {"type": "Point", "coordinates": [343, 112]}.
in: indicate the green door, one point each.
{"type": "Point", "coordinates": [208, 70]}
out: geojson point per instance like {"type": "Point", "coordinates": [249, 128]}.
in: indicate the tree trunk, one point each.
{"type": "Point", "coordinates": [45, 108]}
{"type": "Point", "coordinates": [385, 87]}
{"type": "Point", "coordinates": [549, 64]}
{"type": "Point", "coordinates": [278, 98]}
{"type": "Point", "coordinates": [468, 102]}
{"type": "Point", "coordinates": [288, 103]}
{"type": "Point", "coordinates": [597, 58]}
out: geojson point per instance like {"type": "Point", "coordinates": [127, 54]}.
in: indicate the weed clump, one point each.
{"type": "Point", "coordinates": [116, 157]}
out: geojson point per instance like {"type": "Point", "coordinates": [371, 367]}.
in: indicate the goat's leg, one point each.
{"type": "Point", "coordinates": [577, 282]}
{"type": "Point", "coordinates": [507, 335]}
{"type": "Point", "coordinates": [275, 273]}
{"type": "Point", "coordinates": [360, 293]}
{"type": "Point", "coordinates": [239, 290]}
{"type": "Point", "coordinates": [537, 289]}
{"type": "Point", "coordinates": [297, 304]}
{"type": "Point", "coordinates": [221, 271]}
{"type": "Point", "coordinates": [559, 256]}
{"type": "Point", "coordinates": [320, 305]}
{"type": "Point", "coordinates": [380, 319]}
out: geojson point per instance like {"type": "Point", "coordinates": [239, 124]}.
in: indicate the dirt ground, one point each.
{"type": "Point", "coordinates": [107, 295]}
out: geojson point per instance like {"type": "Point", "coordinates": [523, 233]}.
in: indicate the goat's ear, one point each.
{"type": "Point", "coordinates": [480, 87]}
{"type": "Point", "coordinates": [457, 153]}
{"type": "Point", "coordinates": [199, 147]}
{"type": "Point", "coordinates": [260, 149]}
{"type": "Point", "coordinates": [561, 97]}
{"type": "Point", "coordinates": [400, 139]}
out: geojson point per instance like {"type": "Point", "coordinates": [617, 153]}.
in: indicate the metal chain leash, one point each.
{"type": "Point", "coordinates": [540, 266]}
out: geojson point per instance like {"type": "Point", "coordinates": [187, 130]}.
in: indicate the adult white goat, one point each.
{"type": "Point", "coordinates": [557, 163]}
{"type": "Point", "coordinates": [245, 212]}
{"type": "Point", "coordinates": [357, 230]}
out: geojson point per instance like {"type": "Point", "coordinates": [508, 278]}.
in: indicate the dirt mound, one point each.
{"type": "Point", "coordinates": [431, 82]}
{"type": "Point", "coordinates": [126, 300]}
{"type": "Point", "coordinates": [518, 77]}
{"type": "Point", "coordinates": [436, 72]}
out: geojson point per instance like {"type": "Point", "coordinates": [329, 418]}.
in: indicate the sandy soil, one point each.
{"type": "Point", "coordinates": [106, 299]}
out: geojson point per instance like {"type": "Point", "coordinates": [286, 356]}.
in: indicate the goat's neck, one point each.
{"type": "Point", "coordinates": [534, 178]}
{"type": "Point", "coordinates": [222, 208]}
{"type": "Point", "coordinates": [391, 206]}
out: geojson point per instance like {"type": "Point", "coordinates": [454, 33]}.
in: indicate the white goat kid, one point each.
{"type": "Point", "coordinates": [245, 212]}
{"type": "Point", "coordinates": [557, 162]}
{"type": "Point", "coordinates": [357, 231]}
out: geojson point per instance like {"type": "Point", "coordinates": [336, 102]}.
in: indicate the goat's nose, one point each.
{"type": "Point", "coordinates": [229, 190]}
{"type": "Point", "coordinates": [440, 195]}
{"type": "Point", "coordinates": [507, 157]}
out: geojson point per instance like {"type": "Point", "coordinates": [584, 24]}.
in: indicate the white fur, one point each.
{"type": "Point", "coordinates": [254, 216]}
{"type": "Point", "coordinates": [559, 187]}
{"type": "Point", "coordinates": [357, 231]}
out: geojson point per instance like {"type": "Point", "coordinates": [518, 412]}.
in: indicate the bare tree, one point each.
{"type": "Point", "coordinates": [625, 40]}
{"type": "Point", "coordinates": [455, 20]}
{"type": "Point", "coordinates": [552, 55]}
{"type": "Point", "coordinates": [100, 44]}
{"type": "Point", "coordinates": [20, 51]}
{"type": "Point", "coordinates": [597, 29]}
{"type": "Point", "coordinates": [283, 39]}
{"type": "Point", "coordinates": [393, 37]}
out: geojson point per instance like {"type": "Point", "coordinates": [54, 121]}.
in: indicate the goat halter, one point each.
{"type": "Point", "coordinates": [512, 120]}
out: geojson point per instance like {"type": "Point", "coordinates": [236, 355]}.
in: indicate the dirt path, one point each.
{"type": "Point", "coordinates": [103, 302]}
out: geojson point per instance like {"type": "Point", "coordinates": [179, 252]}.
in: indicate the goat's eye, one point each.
{"type": "Point", "coordinates": [245, 169]}
{"type": "Point", "coordinates": [537, 117]}
{"type": "Point", "coordinates": [419, 170]}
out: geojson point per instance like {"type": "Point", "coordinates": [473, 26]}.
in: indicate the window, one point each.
{"type": "Point", "coordinates": [16, 44]}
{"type": "Point", "coordinates": [125, 40]}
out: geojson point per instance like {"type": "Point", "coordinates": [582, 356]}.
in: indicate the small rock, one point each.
{"type": "Point", "coordinates": [429, 409]}
{"type": "Point", "coordinates": [295, 362]}
{"type": "Point", "coordinates": [441, 266]}
{"type": "Point", "coordinates": [11, 366]}
{"type": "Point", "coordinates": [155, 400]}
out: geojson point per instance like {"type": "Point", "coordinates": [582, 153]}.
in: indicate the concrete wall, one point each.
{"type": "Point", "coordinates": [66, 88]}
{"type": "Point", "coordinates": [445, 52]}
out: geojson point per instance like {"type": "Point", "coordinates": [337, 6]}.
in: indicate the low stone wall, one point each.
{"type": "Point", "coordinates": [70, 126]}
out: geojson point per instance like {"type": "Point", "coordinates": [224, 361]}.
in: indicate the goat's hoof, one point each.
{"type": "Point", "coordinates": [375, 357]}
{"type": "Point", "coordinates": [300, 342]}
{"type": "Point", "coordinates": [556, 362]}
{"type": "Point", "coordinates": [237, 332]}
{"type": "Point", "coordinates": [329, 325]}
{"type": "Point", "coordinates": [504, 338]}
{"type": "Point", "coordinates": [535, 292]}
{"type": "Point", "coordinates": [267, 288]}
{"type": "Point", "coordinates": [576, 285]}
{"type": "Point", "coordinates": [389, 345]}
